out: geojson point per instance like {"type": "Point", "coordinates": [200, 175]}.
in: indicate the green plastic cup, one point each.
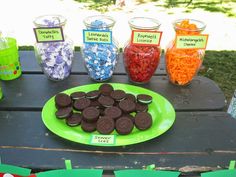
{"type": "Point", "coordinates": [9, 61]}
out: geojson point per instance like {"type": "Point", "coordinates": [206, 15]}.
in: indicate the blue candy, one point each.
{"type": "Point", "coordinates": [100, 59]}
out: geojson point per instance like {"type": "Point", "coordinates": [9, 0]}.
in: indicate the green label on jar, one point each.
{"type": "Point", "coordinates": [146, 37]}
{"type": "Point", "coordinates": [97, 36]}
{"type": "Point", "coordinates": [191, 41]}
{"type": "Point", "coordinates": [103, 139]}
{"type": "Point", "coordinates": [49, 34]}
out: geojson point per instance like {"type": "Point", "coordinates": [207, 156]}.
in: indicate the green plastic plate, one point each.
{"type": "Point", "coordinates": [163, 115]}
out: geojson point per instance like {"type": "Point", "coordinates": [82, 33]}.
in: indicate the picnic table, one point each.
{"type": "Point", "coordinates": [202, 138]}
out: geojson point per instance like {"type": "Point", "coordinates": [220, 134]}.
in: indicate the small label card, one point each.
{"type": "Point", "coordinates": [49, 34]}
{"type": "Point", "coordinates": [103, 139]}
{"type": "Point", "coordinates": [141, 37]}
{"type": "Point", "coordinates": [191, 41]}
{"type": "Point", "coordinates": [97, 36]}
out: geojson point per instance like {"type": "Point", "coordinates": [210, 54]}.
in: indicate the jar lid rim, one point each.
{"type": "Point", "coordinates": [62, 20]}
{"type": "Point", "coordinates": [200, 24]}
{"type": "Point", "coordinates": [87, 21]}
{"type": "Point", "coordinates": [155, 23]}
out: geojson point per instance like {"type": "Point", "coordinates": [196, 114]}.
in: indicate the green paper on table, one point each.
{"type": "Point", "coordinates": [71, 173]}
{"type": "Point", "coordinates": [223, 173]}
{"type": "Point", "coordinates": [14, 170]}
{"type": "Point", "coordinates": [220, 173]}
{"type": "Point", "coordinates": [145, 173]}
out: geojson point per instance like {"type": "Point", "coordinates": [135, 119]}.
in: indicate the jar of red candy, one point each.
{"type": "Point", "coordinates": [142, 52]}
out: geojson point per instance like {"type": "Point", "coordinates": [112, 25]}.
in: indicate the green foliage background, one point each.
{"type": "Point", "coordinates": [220, 66]}
{"type": "Point", "coordinates": [227, 7]}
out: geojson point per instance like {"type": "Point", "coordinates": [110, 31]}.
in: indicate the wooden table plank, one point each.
{"type": "Point", "coordinates": [196, 138]}
{"type": "Point", "coordinates": [29, 64]}
{"type": "Point", "coordinates": [32, 92]}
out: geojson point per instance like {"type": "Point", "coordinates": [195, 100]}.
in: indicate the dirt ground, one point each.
{"type": "Point", "coordinates": [16, 18]}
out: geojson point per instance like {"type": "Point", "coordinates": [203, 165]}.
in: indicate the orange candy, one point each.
{"type": "Point", "coordinates": [183, 64]}
{"type": "Point", "coordinates": [186, 28]}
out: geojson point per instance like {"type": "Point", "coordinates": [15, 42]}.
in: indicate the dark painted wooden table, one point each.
{"type": "Point", "coordinates": [202, 138]}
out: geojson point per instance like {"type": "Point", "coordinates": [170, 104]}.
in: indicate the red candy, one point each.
{"type": "Point", "coordinates": [141, 61]}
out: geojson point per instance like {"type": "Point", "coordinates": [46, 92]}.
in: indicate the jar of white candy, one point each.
{"type": "Point", "coordinates": [53, 49]}
{"type": "Point", "coordinates": [100, 49]}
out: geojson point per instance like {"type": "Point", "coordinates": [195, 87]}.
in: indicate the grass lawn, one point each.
{"type": "Point", "coordinates": [220, 66]}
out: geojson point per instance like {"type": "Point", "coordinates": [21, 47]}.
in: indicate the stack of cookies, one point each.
{"type": "Point", "coordinates": [104, 110]}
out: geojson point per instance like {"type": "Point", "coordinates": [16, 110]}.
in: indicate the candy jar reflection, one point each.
{"type": "Point", "coordinates": [54, 58]}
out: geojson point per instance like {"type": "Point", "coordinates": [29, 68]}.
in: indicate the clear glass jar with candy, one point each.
{"type": "Point", "coordinates": [184, 60]}
{"type": "Point", "coordinates": [141, 59]}
{"type": "Point", "coordinates": [100, 49]}
{"type": "Point", "coordinates": [53, 49]}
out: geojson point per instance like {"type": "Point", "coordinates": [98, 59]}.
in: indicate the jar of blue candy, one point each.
{"type": "Point", "coordinates": [100, 49]}
{"type": "Point", "coordinates": [53, 49]}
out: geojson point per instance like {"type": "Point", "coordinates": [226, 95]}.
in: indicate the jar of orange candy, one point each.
{"type": "Point", "coordinates": [184, 55]}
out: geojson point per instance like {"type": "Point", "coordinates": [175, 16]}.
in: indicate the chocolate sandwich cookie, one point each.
{"type": "Point", "coordinates": [130, 97]}
{"type": "Point", "coordinates": [63, 113]}
{"type": "Point", "coordinates": [74, 120]}
{"type": "Point", "coordinates": [124, 125]}
{"type": "Point", "coordinates": [143, 98]}
{"type": "Point", "coordinates": [95, 103]}
{"type": "Point", "coordinates": [106, 101]}
{"type": "Point", "coordinates": [143, 120]}
{"type": "Point", "coordinates": [62, 100]}
{"type": "Point", "coordinates": [106, 89]}
{"type": "Point", "coordinates": [129, 116]}
{"type": "Point", "coordinates": [113, 112]}
{"type": "Point", "coordinates": [90, 114]}
{"type": "Point", "coordinates": [127, 106]}
{"type": "Point", "coordinates": [140, 107]}
{"type": "Point", "coordinates": [81, 104]}
{"type": "Point", "coordinates": [93, 94]}
{"type": "Point", "coordinates": [77, 95]}
{"type": "Point", "coordinates": [88, 126]}
{"type": "Point", "coordinates": [105, 125]}
{"type": "Point", "coordinates": [118, 95]}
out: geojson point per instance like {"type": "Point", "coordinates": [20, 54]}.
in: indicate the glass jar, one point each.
{"type": "Point", "coordinates": [100, 58]}
{"type": "Point", "coordinates": [183, 64]}
{"type": "Point", "coordinates": [54, 57]}
{"type": "Point", "coordinates": [141, 61]}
